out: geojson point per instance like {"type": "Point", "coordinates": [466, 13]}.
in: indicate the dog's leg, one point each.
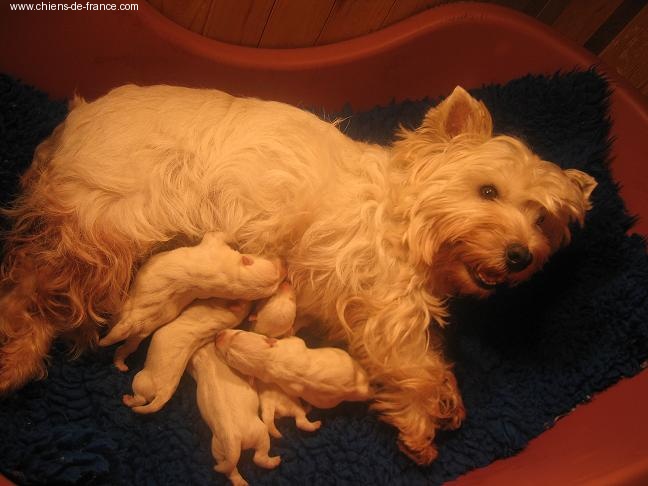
{"type": "Point", "coordinates": [25, 343]}
{"type": "Point", "coordinates": [419, 405]}
{"type": "Point", "coordinates": [416, 391]}
{"type": "Point", "coordinates": [23, 356]}
{"type": "Point", "coordinates": [55, 281]}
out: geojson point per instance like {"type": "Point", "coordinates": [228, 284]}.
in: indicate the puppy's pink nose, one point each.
{"type": "Point", "coordinates": [223, 338]}
{"type": "Point", "coordinates": [518, 257]}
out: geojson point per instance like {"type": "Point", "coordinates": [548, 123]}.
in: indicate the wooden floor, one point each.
{"type": "Point", "coordinates": [615, 30]}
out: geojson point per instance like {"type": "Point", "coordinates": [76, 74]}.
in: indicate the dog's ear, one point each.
{"type": "Point", "coordinates": [584, 182]}
{"type": "Point", "coordinates": [570, 204]}
{"type": "Point", "coordinates": [459, 113]}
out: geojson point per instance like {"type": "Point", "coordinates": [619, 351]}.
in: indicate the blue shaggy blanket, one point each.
{"type": "Point", "coordinates": [523, 357]}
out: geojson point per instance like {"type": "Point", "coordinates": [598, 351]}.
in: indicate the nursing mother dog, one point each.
{"type": "Point", "coordinates": [375, 239]}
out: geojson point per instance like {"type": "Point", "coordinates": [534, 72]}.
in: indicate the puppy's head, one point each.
{"type": "Point", "coordinates": [482, 211]}
{"type": "Point", "coordinates": [245, 351]}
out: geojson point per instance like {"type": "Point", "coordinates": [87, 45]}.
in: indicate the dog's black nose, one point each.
{"type": "Point", "coordinates": [518, 257]}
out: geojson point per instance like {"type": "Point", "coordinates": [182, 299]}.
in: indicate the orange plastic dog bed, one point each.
{"type": "Point", "coordinates": [602, 442]}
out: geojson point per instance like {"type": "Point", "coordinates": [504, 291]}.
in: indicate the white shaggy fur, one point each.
{"type": "Point", "coordinates": [375, 238]}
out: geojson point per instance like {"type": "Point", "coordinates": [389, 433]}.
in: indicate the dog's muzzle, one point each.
{"type": "Point", "coordinates": [482, 280]}
{"type": "Point", "coordinates": [518, 257]}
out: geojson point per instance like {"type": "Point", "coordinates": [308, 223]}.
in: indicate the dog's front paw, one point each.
{"type": "Point", "coordinates": [418, 422]}
{"type": "Point", "coordinates": [419, 412]}
{"type": "Point", "coordinates": [451, 408]}
{"type": "Point", "coordinates": [416, 425]}
{"type": "Point", "coordinates": [420, 449]}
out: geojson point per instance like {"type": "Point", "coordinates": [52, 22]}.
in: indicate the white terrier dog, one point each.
{"type": "Point", "coordinates": [375, 238]}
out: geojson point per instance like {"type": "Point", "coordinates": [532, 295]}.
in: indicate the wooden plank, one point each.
{"type": "Point", "coordinates": [295, 23]}
{"type": "Point", "coordinates": [351, 18]}
{"type": "Point", "coordinates": [582, 18]}
{"type": "Point", "coordinates": [525, 6]}
{"type": "Point", "coordinates": [238, 21]}
{"type": "Point", "coordinates": [401, 9]}
{"type": "Point", "coordinates": [534, 7]}
{"type": "Point", "coordinates": [628, 52]}
{"type": "Point", "coordinates": [551, 11]}
{"type": "Point", "coordinates": [190, 14]}
{"type": "Point", "coordinates": [613, 26]}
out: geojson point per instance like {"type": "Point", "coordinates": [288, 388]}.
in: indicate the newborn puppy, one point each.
{"type": "Point", "coordinates": [275, 315]}
{"type": "Point", "coordinates": [323, 377]}
{"type": "Point", "coordinates": [229, 404]}
{"type": "Point", "coordinates": [173, 345]}
{"type": "Point", "coordinates": [275, 403]}
{"type": "Point", "coordinates": [169, 281]}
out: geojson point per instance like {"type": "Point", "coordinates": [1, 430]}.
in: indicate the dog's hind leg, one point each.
{"type": "Point", "coordinates": [57, 280]}
{"type": "Point", "coordinates": [25, 339]}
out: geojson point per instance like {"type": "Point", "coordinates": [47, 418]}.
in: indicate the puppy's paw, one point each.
{"type": "Point", "coordinates": [306, 425]}
{"type": "Point", "coordinates": [121, 365]}
{"type": "Point", "coordinates": [265, 461]}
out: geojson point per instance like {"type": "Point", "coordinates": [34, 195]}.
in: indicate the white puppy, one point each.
{"type": "Point", "coordinates": [323, 377]}
{"type": "Point", "coordinates": [276, 403]}
{"type": "Point", "coordinates": [275, 315]}
{"type": "Point", "coordinates": [229, 404]}
{"type": "Point", "coordinates": [169, 281]}
{"type": "Point", "coordinates": [172, 347]}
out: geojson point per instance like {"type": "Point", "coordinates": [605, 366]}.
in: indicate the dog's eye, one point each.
{"type": "Point", "coordinates": [488, 192]}
{"type": "Point", "coordinates": [541, 217]}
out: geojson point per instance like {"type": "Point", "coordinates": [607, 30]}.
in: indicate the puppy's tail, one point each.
{"type": "Point", "coordinates": [159, 401]}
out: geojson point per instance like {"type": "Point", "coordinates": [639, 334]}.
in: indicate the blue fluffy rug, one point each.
{"type": "Point", "coordinates": [523, 358]}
